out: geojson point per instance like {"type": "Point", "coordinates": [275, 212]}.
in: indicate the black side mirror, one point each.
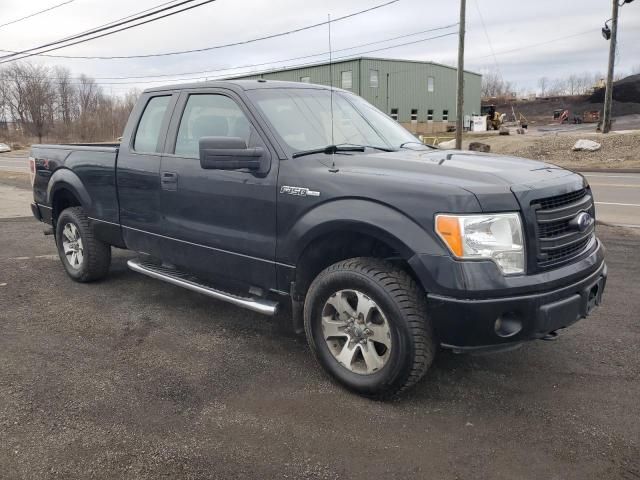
{"type": "Point", "coordinates": [229, 153]}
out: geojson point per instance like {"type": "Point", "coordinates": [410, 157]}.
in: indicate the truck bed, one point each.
{"type": "Point", "coordinates": [86, 171]}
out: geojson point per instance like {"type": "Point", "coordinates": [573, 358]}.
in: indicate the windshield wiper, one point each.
{"type": "Point", "coordinates": [329, 149]}
{"type": "Point", "coordinates": [402, 145]}
{"type": "Point", "coordinates": [343, 147]}
{"type": "Point", "coordinates": [375, 147]}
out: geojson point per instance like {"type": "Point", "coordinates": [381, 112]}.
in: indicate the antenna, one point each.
{"type": "Point", "coordinates": [331, 87]}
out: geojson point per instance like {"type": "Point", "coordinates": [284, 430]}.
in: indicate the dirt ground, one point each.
{"type": "Point", "coordinates": [620, 150]}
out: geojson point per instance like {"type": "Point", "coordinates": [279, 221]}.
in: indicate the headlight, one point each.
{"type": "Point", "coordinates": [497, 237]}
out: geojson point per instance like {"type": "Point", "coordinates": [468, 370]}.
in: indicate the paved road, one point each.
{"type": "Point", "coordinates": [131, 378]}
{"type": "Point", "coordinates": [14, 162]}
{"type": "Point", "coordinates": [621, 123]}
{"type": "Point", "coordinates": [617, 197]}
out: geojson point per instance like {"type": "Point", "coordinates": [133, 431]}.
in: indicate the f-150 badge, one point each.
{"type": "Point", "coordinates": [299, 191]}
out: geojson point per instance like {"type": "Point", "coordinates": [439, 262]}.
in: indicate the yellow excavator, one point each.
{"type": "Point", "coordinates": [494, 118]}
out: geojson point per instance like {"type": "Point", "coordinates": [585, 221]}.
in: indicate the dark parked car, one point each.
{"type": "Point", "coordinates": [272, 193]}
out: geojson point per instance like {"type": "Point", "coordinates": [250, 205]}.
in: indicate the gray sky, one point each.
{"type": "Point", "coordinates": [569, 29]}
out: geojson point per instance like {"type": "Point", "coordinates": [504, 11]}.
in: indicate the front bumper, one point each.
{"type": "Point", "coordinates": [464, 323]}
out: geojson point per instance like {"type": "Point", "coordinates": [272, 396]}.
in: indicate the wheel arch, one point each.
{"type": "Point", "coordinates": [352, 228]}
{"type": "Point", "coordinates": [65, 189]}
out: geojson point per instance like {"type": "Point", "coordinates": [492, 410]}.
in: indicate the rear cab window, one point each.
{"type": "Point", "coordinates": [211, 115]}
{"type": "Point", "coordinates": [149, 128]}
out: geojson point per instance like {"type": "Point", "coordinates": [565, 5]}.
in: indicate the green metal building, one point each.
{"type": "Point", "coordinates": [410, 91]}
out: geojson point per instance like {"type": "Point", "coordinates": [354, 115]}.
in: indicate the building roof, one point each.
{"type": "Point", "coordinates": [345, 60]}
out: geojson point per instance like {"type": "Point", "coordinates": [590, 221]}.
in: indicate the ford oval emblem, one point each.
{"type": "Point", "coordinates": [581, 221]}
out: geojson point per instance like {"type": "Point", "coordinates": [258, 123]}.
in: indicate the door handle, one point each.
{"type": "Point", "coordinates": [169, 180]}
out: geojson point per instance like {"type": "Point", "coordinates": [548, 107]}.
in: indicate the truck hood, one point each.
{"type": "Point", "coordinates": [493, 179]}
{"type": "Point", "coordinates": [469, 170]}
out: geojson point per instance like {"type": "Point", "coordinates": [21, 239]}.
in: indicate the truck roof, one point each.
{"type": "Point", "coordinates": [239, 84]}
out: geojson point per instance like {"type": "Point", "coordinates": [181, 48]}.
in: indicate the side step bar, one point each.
{"type": "Point", "coordinates": [174, 277]}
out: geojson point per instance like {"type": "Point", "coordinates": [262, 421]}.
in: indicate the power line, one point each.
{"type": "Point", "coordinates": [215, 47]}
{"type": "Point", "coordinates": [253, 65]}
{"type": "Point", "coordinates": [308, 64]}
{"type": "Point", "coordinates": [288, 67]}
{"type": "Point", "coordinates": [83, 40]}
{"type": "Point", "coordinates": [486, 34]}
{"type": "Point", "coordinates": [123, 18]}
{"type": "Point", "coordinates": [35, 13]}
{"type": "Point", "coordinates": [101, 28]}
{"type": "Point", "coordinates": [281, 61]}
{"type": "Point", "coordinates": [532, 45]}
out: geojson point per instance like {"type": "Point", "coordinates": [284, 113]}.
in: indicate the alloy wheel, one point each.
{"type": "Point", "coordinates": [72, 245]}
{"type": "Point", "coordinates": [356, 331]}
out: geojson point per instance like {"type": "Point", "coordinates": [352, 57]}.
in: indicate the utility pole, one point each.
{"type": "Point", "coordinates": [608, 94]}
{"type": "Point", "coordinates": [388, 111]}
{"type": "Point", "coordinates": [460, 99]}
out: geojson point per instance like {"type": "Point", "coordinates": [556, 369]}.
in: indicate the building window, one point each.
{"type": "Point", "coordinates": [414, 114]}
{"type": "Point", "coordinates": [430, 84]}
{"type": "Point", "coordinates": [445, 115]}
{"type": "Point", "coordinates": [347, 80]}
{"type": "Point", "coordinates": [305, 79]}
{"type": "Point", "coordinates": [394, 114]}
{"type": "Point", "coordinates": [430, 114]}
{"type": "Point", "coordinates": [373, 78]}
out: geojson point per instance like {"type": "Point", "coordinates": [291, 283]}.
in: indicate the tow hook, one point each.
{"type": "Point", "coordinates": [551, 336]}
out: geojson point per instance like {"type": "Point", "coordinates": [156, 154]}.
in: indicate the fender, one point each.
{"type": "Point", "coordinates": [63, 178]}
{"type": "Point", "coordinates": [363, 216]}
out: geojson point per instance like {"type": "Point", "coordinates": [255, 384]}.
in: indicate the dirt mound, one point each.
{"type": "Point", "coordinates": [625, 90]}
{"type": "Point", "coordinates": [618, 150]}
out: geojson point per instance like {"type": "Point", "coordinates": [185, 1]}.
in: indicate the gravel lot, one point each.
{"type": "Point", "coordinates": [619, 149]}
{"type": "Point", "coordinates": [132, 378]}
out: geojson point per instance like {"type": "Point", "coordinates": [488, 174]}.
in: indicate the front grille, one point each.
{"type": "Point", "coordinates": [558, 240]}
{"type": "Point", "coordinates": [561, 200]}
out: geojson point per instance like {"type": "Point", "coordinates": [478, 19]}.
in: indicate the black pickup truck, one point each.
{"type": "Point", "coordinates": [269, 194]}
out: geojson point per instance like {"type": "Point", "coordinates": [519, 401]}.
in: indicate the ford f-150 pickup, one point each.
{"type": "Point", "coordinates": [268, 194]}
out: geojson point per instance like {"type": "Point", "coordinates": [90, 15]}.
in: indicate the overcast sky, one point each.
{"type": "Point", "coordinates": [551, 38]}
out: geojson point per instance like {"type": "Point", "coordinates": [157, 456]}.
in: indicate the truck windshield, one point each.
{"type": "Point", "coordinates": [302, 118]}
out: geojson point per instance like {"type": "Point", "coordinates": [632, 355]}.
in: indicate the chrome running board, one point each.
{"type": "Point", "coordinates": [180, 279]}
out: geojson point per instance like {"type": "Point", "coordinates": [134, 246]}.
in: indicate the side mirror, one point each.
{"type": "Point", "coordinates": [229, 153]}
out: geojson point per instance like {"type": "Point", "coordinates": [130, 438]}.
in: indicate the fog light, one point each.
{"type": "Point", "coordinates": [507, 325]}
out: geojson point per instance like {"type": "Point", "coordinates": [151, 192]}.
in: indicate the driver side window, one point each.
{"type": "Point", "coordinates": [211, 115]}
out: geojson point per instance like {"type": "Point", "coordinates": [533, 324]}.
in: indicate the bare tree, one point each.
{"type": "Point", "coordinates": [543, 84]}
{"type": "Point", "coordinates": [4, 107]}
{"type": "Point", "coordinates": [42, 101]}
{"type": "Point", "coordinates": [572, 84]}
{"type": "Point", "coordinates": [558, 87]}
{"type": "Point", "coordinates": [89, 94]}
{"type": "Point", "coordinates": [493, 85]}
{"type": "Point", "coordinates": [30, 97]}
{"type": "Point", "coordinates": [66, 108]}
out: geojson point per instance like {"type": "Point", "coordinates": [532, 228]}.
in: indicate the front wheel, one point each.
{"type": "Point", "coordinates": [366, 323]}
{"type": "Point", "coordinates": [83, 256]}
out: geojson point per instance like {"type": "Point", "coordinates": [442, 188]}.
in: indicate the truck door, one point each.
{"type": "Point", "coordinates": [217, 223]}
{"type": "Point", "coordinates": [138, 171]}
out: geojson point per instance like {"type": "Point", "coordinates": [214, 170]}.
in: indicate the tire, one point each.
{"type": "Point", "coordinates": [402, 357]}
{"type": "Point", "coordinates": [92, 258]}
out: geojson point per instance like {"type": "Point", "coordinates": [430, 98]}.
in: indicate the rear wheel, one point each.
{"type": "Point", "coordinates": [83, 256]}
{"type": "Point", "coordinates": [366, 323]}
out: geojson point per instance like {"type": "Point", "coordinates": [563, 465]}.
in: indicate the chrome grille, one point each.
{"type": "Point", "coordinates": [558, 240]}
